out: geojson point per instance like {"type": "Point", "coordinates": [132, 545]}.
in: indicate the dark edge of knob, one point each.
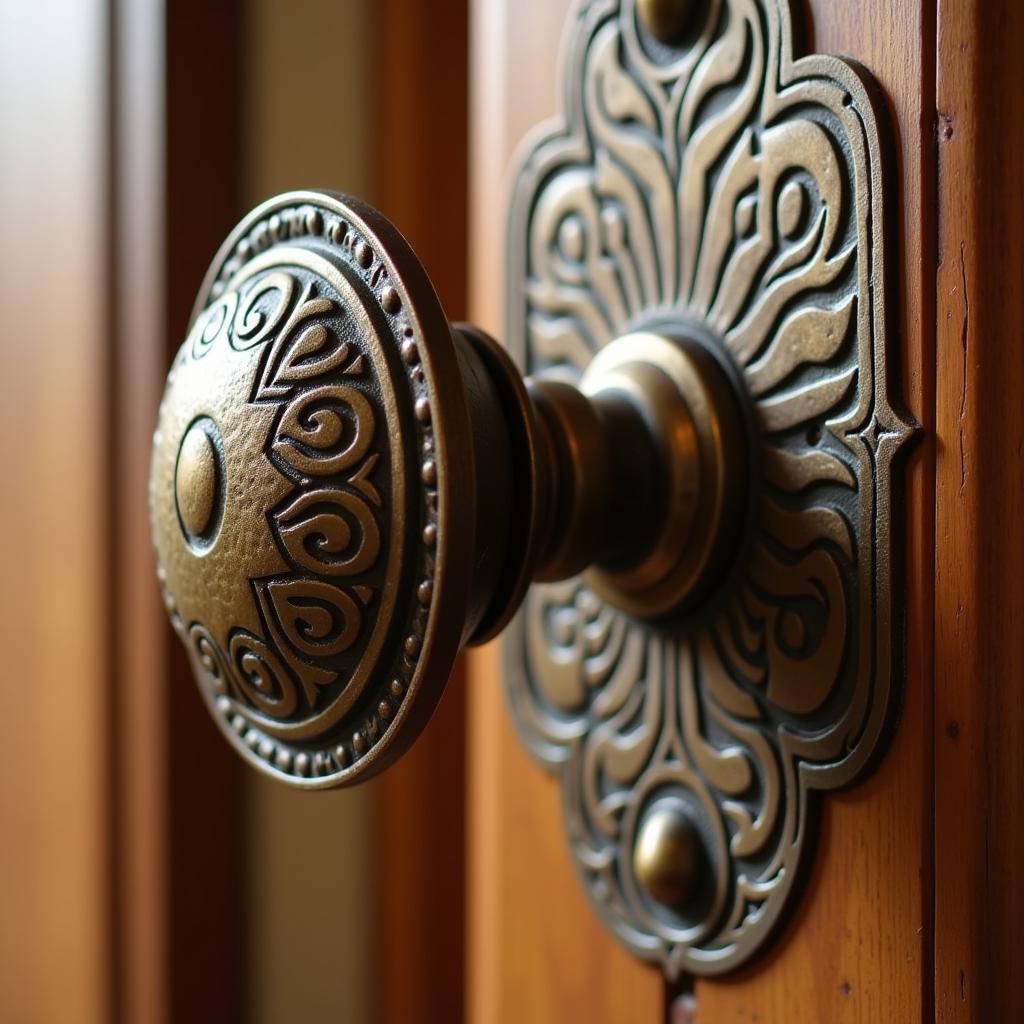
{"type": "Point", "coordinates": [529, 493]}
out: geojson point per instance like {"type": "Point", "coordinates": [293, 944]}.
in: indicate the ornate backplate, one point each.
{"type": "Point", "coordinates": [722, 188]}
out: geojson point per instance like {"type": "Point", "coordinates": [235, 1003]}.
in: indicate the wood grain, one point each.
{"type": "Point", "coordinates": [117, 849]}
{"type": "Point", "coordinates": [536, 951]}
{"type": "Point", "coordinates": [979, 599]}
{"type": "Point", "coordinates": [859, 946]}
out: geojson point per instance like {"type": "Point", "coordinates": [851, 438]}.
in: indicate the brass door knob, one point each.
{"type": "Point", "coordinates": [700, 477]}
{"type": "Point", "coordinates": [346, 488]}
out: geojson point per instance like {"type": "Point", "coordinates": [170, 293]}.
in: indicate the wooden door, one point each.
{"type": "Point", "coordinates": [905, 916]}
{"type": "Point", "coordinates": [126, 826]}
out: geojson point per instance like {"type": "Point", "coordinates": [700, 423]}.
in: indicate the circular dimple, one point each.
{"type": "Point", "coordinates": [199, 484]}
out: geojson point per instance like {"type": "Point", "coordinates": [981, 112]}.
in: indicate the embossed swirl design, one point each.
{"type": "Point", "coordinates": [306, 605]}
{"type": "Point", "coordinates": [326, 528]}
{"type": "Point", "coordinates": [725, 186]}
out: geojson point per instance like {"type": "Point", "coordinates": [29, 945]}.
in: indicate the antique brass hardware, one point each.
{"type": "Point", "coordinates": [696, 477]}
{"type": "Point", "coordinates": [346, 488]}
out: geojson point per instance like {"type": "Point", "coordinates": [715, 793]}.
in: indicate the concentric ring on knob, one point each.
{"type": "Point", "coordinates": [312, 432]}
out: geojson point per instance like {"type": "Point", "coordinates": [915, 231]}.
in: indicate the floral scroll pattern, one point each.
{"type": "Point", "coordinates": [327, 525]}
{"type": "Point", "coordinates": [725, 189]}
{"type": "Point", "coordinates": [287, 609]}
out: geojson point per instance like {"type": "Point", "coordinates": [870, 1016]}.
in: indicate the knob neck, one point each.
{"type": "Point", "coordinates": [633, 477]}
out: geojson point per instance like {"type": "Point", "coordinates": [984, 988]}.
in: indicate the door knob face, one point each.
{"type": "Point", "coordinates": [310, 444]}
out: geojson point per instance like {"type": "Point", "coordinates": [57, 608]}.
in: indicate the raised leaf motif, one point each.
{"type": "Point", "coordinates": [723, 189]}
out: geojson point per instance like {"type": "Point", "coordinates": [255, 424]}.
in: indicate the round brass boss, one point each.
{"type": "Point", "coordinates": [195, 480]}
{"type": "Point", "coordinates": [668, 858]}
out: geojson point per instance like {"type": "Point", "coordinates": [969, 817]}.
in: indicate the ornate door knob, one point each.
{"type": "Point", "coordinates": [346, 488]}
{"type": "Point", "coordinates": [698, 475]}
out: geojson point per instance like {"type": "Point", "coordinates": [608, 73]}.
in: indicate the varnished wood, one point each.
{"type": "Point", "coordinates": [979, 596]}
{"type": "Point", "coordinates": [536, 952]}
{"type": "Point", "coordinates": [859, 946]}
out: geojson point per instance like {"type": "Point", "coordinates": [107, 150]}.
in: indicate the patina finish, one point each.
{"type": "Point", "coordinates": [685, 510]}
{"type": "Point", "coordinates": [711, 188]}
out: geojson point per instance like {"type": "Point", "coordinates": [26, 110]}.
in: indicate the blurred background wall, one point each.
{"type": "Point", "coordinates": [145, 875]}
{"type": "Point", "coordinates": [54, 845]}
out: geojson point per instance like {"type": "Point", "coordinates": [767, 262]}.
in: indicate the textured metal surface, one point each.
{"type": "Point", "coordinates": [312, 430]}
{"type": "Point", "coordinates": [345, 489]}
{"type": "Point", "coordinates": [693, 416]}
{"type": "Point", "coordinates": [719, 189]}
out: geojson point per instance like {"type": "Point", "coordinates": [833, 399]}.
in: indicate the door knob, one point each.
{"type": "Point", "coordinates": [347, 488]}
{"type": "Point", "coordinates": [691, 497]}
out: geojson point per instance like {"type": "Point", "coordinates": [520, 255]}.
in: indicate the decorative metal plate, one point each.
{"type": "Point", "coordinates": [723, 188]}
